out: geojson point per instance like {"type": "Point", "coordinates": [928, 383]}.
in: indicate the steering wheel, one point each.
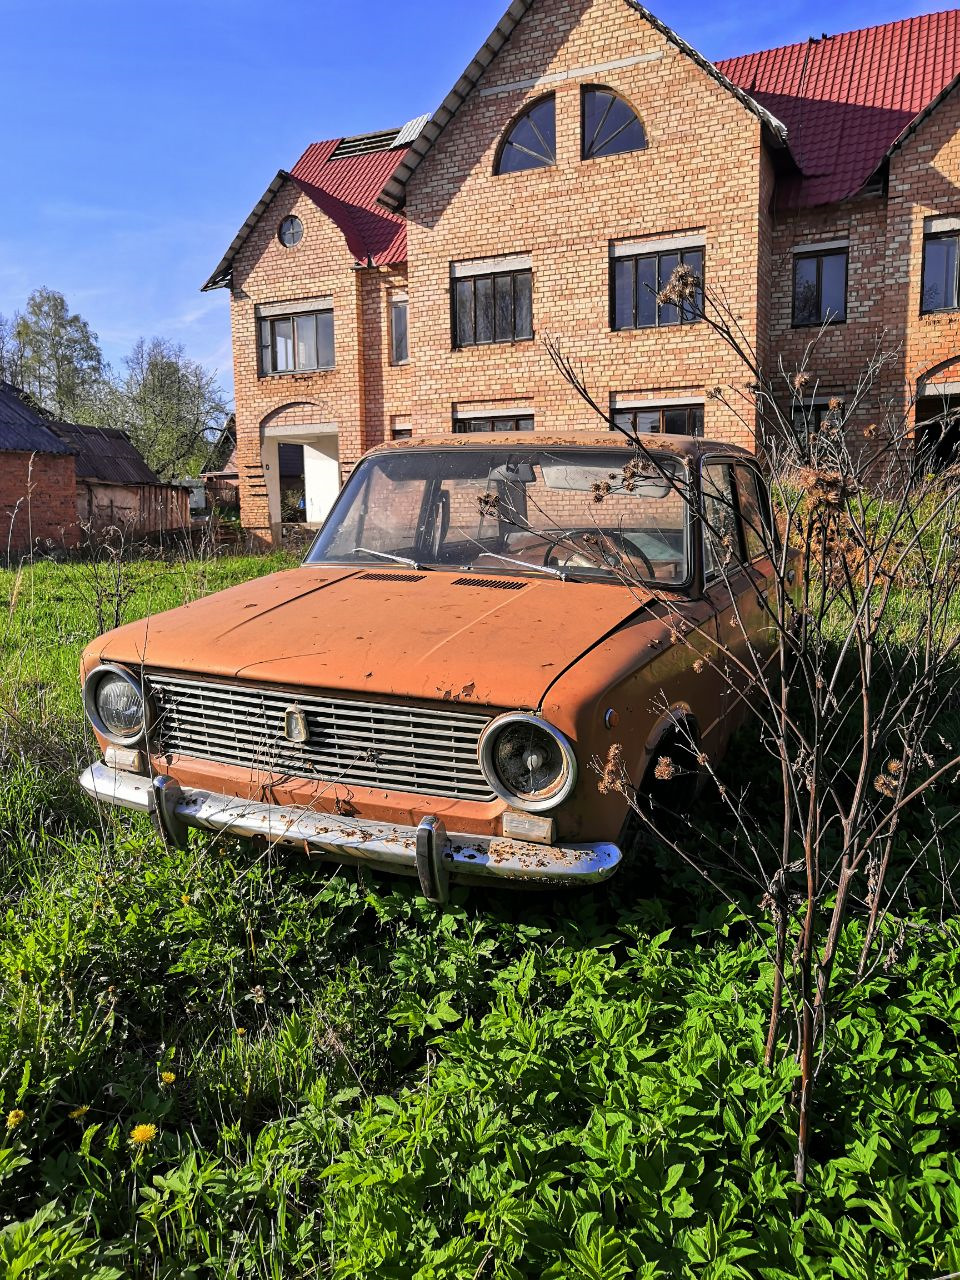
{"type": "Point", "coordinates": [598, 550]}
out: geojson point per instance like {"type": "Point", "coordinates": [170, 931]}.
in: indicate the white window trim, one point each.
{"type": "Point", "coordinates": [663, 244]}
{"type": "Point", "coordinates": [558, 77]}
{"type": "Point", "coordinates": [522, 411]}
{"type": "Point", "coordinates": [490, 266]}
{"type": "Point", "coordinates": [822, 246]}
{"type": "Point", "coordinates": [938, 389]}
{"type": "Point", "coordinates": [629, 403]}
{"type": "Point", "coordinates": [938, 226]}
{"type": "Point", "coordinates": [297, 307]}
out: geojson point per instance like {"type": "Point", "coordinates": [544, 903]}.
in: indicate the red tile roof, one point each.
{"type": "Point", "coordinates": [346, 190]}
{"type": "Point", "coordinates": [846, 99]}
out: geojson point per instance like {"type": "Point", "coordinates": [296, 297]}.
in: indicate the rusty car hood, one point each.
{"type": "Point", "coordinates": [430, 636]}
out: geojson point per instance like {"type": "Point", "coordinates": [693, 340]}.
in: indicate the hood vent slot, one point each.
{"type": "Point", "coordinates": [392, 577]}
{"type": "Point", "coordinates": [494, 584]}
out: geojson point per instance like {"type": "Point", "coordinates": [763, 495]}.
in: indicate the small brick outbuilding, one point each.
{"type": "Point", "coordinates": [38, 485]}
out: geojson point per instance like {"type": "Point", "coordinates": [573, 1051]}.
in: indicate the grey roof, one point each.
{"type": "Point", "coordinates": [394, 194]}
{"type": "Point", "coordinates": [105, 454]}
{"type": "Point", "coordinates": [22, 428]}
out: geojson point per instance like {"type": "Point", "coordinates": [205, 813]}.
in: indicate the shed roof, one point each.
{"type": "Point", "coordinates": [22, 428]}
{"type": "Point", "coordinates": [106, 454]}
{"type": "Point", "coordinates": [848, 99]}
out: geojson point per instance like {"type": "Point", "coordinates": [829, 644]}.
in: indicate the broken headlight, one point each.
{"type": "Point", "coordinates": [527, 762]}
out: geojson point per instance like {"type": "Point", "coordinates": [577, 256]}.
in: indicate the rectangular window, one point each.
{"type": "Point", "coordinates": [722, 548]}
{"type": "Point", "coordinates": [636, 280]}
{"type": "Point", "coordinates": [668, 419]}
{"type": "Point", "coordinates": [492, 307]}
{"type": "Point", "coordinates": [297, 343]}
{"type": "Point", "coordinates": [506, 422]}
{"type": "Point", "coordinates": [401, 427]}
{"type": "Point", "coordinates": [820, 288]}
{"type": "Point", "coordinates": [751, 494]}
{"type": "Point", "coordinates": [939, 291]}
{"type": "Point", "coordinates": [399, 340]}
{"type": "Point", "coordinates": [812, 416]}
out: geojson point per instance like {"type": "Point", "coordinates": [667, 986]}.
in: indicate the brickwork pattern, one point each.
{"type": "Point", "coordinates": [705, 170]}
{"type": "Point", "coordinates": [700, 172]}
{"type": "Point", "coordinates": [38, 501]}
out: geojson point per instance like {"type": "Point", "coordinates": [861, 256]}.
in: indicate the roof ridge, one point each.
{"type": "Point", "coordinates": [836, 35]}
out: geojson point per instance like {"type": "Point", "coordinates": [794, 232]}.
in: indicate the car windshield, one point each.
{"type": "Point", "coordinates": [578, 512]}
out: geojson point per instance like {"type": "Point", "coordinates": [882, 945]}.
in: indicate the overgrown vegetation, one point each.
{"type": "Point", "coordinates": [227, 1063]}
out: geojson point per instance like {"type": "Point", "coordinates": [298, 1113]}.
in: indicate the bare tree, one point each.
{"type": "Point", "coordinates": [173, 408]}
{"type": "Point", "coordinates": [861, 608]}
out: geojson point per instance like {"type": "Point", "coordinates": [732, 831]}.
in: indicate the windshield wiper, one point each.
{"type": "Point", "coordinates": [386, 555]}
{"type": "Point", "coordinates": [530, 568]}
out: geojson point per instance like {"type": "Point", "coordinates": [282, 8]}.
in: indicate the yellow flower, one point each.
{"type": "Point", "coordinates": [241, 1031]}
{"type": "Point", "coordinates": [79, 1112]}
{"type": "Point", "coordinates": [185, 899]}
{"type": "Point", "coordinates": [15, 1118]}
{"type": "Point", "coordinates": [143, 1134]}
{"type": "Point", "coordinates": [168, 1077]}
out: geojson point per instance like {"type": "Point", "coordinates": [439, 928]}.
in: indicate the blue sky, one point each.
{"type": "Point", "coordinates": [139, 134]}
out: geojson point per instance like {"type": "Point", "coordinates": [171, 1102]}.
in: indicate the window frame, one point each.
{"type": "Point", "coordinates": [455, 281]}
{"type": "Point", "coordinates": [680, 251]}
{"type": "Point", "coordinates": [272, 319]}
{"type": "Point", "coordinates": [940, 235]}
{"type": "Point", "coordinates": [603, 88]}
{"type": "Point", "coordinates": [496, 420]}
{"type": "Point", "coordinates": [508, 131]}
{"type": "Point", "coordinates": [666, 406]}
{"type": "Point", "coordinates": [819, 255]}
{"type": "Point", "coordinates": [399, 299]}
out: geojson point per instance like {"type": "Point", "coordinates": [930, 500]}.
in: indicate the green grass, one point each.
{"type": "Point", "coordinates": [518, 1086]}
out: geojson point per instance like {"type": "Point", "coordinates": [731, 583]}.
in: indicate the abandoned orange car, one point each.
{"type": "Point", "coordinates": [478, 621]}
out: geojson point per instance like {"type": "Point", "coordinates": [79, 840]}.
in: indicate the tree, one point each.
{"type": "Point", "coordinates": [55, 357]}
{"type": "Point", "coordinates": [833, 853]}
{"type": "Point", "coordinates": [173, 408]}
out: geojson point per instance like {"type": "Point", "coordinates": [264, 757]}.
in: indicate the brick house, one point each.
{"type": "Point", "coordinates": [38, 486]}
{"type": "Point", "coordinates": [398, 282]}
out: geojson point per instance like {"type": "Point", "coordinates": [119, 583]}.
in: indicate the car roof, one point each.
{"type": "Point", "coordinates": [685, 446]}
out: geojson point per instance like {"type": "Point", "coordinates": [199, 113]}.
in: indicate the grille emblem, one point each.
{"type": "Point", "coordinates": [295, 727]}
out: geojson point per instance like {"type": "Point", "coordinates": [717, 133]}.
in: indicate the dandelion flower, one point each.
{"type": "Point", "coordinates": [168, 1077]}
{"type": "Point", "coordinates": [141, 1135]}
{"type": "Point", "coordinates": [79, 1112]}
{"type": "Point", "coordinates": [241, 1031]}
{"type": "Point", "coordinates": [185, 899]}
{"type": "Point", "coordinates": [15, 1118]}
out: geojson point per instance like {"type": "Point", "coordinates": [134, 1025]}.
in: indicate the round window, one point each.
{"type": "Point", "coordinates": [291, 231]}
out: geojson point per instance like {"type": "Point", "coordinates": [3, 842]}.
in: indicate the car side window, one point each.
{"type": "Point", "coordinates": [753, 508]}
{"type": "Point", "coordinates": [722, 548]}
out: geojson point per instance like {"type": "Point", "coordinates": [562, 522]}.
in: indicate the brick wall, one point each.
{"type": "Point", "coordinates": [38, 501]}
{"type": "Point", "coordinates": [358, 395]}
{"type": "Point", "coordinates": [924, 177]}
{"type": "Point", "coordinates": [701, 170]}
{"type": "Point", "coordinates": [705, 170]}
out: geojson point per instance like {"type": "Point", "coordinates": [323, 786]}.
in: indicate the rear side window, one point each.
{"type": "Point", "coordinates": [754, 512]}
{"type": "Point", "coordinates": [721, 534]}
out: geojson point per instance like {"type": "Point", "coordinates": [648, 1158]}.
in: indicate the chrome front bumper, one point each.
{"type": "Point", "coordinates": [426, 851]}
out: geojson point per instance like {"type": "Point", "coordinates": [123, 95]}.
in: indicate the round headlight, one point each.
{"type": "Point", "coordinates": [114, 703]}
{"type": "Point", "coordinates": [528, 762]}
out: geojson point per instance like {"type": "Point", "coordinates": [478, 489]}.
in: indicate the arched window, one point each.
{"type": "Point", "coordinates": [531, 141]}
{"type": "Point", "coordinates": [610, 125]}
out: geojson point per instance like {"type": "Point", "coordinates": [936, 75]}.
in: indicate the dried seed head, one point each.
{"type": "Point", "coordinates": [665, 769]}
{"type": "Point", "coordinates": [612, 777]}
{"type": "Point", "coordinates": [886, 785]}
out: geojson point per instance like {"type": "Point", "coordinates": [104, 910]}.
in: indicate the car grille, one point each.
{"type": "Point", "coordinates": [369, 744]}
